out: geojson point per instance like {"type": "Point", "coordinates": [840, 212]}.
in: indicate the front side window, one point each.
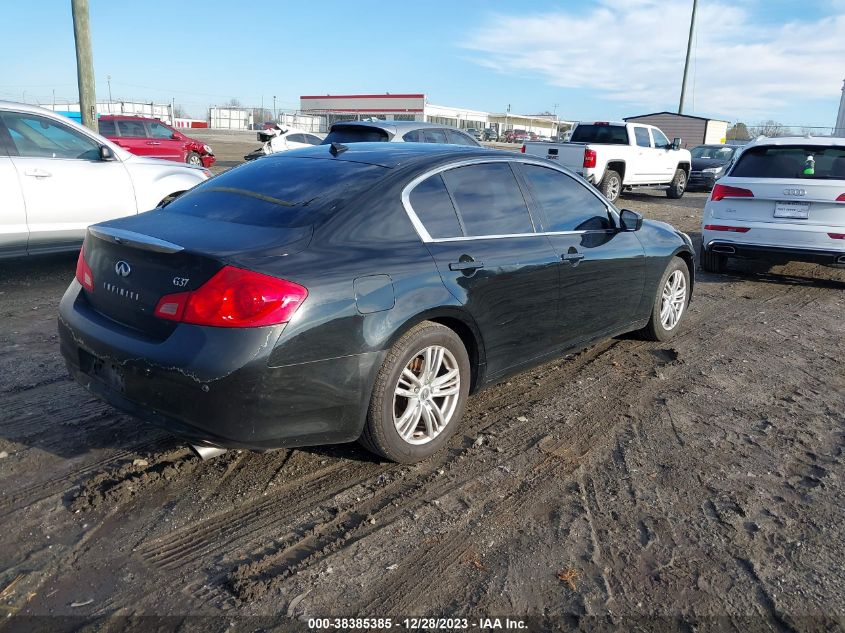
{"type": "Point", "coordinates": [489, 200]}
{"type": "Point", "coordinates": [434, 208]}
{"type": "Point", "coordinates": [131, 129]}
{"type": "Point", "coordinates": [641, 133]}
{"type": "Point", "coordinates": [157, 130]}
{"type": "Point", "coordinates": [660, 140]}
{"type": "Point", "coordinates": [39, 137]}
{"type": "Point", "coordinates": [567, 204]}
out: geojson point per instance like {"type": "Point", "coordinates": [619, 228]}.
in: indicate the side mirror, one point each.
{"type": "Point", "coordinates": [176, 136]}
{"type": "Point", "coordinates": [631, 220]}
{"type": "Point", "coordinates": [106, 153]}
{"type": "Point", "coordinates": [676, 143]}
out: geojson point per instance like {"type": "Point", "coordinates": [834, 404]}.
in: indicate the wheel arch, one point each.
{"type": "Point", "coordinates": [689, 259]}
{"type": "Point", "coordinates": [460, 322]}
{"type": "Point", "coordinates": [618, 166]}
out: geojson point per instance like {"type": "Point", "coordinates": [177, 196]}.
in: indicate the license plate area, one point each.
{"type": "Point", "coordinates": [102, 371]}
{"type": "Point", "coordinates": [792, 210]}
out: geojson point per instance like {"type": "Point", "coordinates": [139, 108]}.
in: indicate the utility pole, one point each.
{"type": "Point", "coordinates": [274, 107]}
{"type": "Point", "coordinates": [689, 52]}
{"type": "Point", "coordinates": [84, 64]}
{"type": "Point", "coordinates": [108, 80]}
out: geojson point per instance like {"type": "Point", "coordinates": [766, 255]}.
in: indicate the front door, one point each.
{"type": "Point", "coordinates": [602, 269]}
{"type": "Point", "coordinates": [64, 182]}
{"type": "Point", "coordinates": [165, 146]}
{"type": "Point", "coordinates": [503, 273]}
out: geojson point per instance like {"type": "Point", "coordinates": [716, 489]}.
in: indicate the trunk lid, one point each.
{"type": "Point", "coordinates": [136, 261]}
{"type": "Point", "coordinates": [784, 201]}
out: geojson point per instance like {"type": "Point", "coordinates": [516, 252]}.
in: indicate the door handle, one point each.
{"type": "Point", "coordinates": [466, 265]}
{"type": "Point", "coordinates": [573, 257]}
{"type": "Point", "coordinates": [153, 142]}
{"type": "Point", "coordinates": [38, 173]}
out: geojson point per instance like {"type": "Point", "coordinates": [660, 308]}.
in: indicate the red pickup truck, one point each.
{"type": "Point", "coordinates": [152, 138]}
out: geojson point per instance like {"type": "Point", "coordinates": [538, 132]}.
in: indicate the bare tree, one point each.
{"type": "Point", "coordinates": [233, 103]}
{"type": "Point", "coordinates": [180, 113]}
{"type": "Point", "coordinates": [738, 131]}
{"type": "Point", "coordinates": [769, 128]}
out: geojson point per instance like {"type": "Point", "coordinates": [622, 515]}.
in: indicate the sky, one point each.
{"type": "Point", "coordinates": [602, 59]}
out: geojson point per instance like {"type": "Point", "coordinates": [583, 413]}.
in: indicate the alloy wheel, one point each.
{"type": "Point", "coordinates": [673, 300]}
{"type": "Point", "coordinates": [426, 395]}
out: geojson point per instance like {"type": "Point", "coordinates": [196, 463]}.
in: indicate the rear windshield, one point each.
{"type": "Point", "coordinates": [279, 191]}
{"type": "Point", "coordinates": [718, 152]}
{"type": "Point", "coordinates": [792, 161]}
{"type": "Point", "coordinates": [607, 134]}
{"type": "Point", "coordinates": [356, 134]}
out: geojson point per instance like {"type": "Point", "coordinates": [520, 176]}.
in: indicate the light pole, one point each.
{"type": "Point", "coordinates": [108, 81]}
{"type": "Point", "coordinates": [689, 52]}
{"type": "Point", "coordinates": [274, 107]}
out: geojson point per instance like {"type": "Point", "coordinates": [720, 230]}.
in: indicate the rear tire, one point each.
{"type": "Point", "coordinates": [193, 158]}
{"type": "Point", "coordinates": [611, 185]}
{"type": "Point", "coordinates": [670, 302]}
{"type": "Point", "coordinates": [678, 185]}
{"type": "Point", "coordinates": [410, 429]}
{"type": "Point", "coordinates": [712, 262]}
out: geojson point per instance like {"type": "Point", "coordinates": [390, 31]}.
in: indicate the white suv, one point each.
{"type": "Point", "coordinates": [57, 177]}
{"type": "Point", "coordinates": [782, 199]}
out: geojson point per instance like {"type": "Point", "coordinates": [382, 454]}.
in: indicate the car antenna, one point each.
{"type": "Point", "coordinates": [337, 148]}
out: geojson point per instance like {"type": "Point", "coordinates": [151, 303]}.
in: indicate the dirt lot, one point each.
{"type": "Point", "coordinates": [699, 483]}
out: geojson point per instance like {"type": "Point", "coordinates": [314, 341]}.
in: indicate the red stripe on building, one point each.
{"type": "Point", "coordinates": [390, 96]}
{"type": "Point", "coordinates": [365, 110]}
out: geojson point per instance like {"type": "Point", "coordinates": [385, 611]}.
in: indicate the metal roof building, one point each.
{"type": "Point", "coordinates": [692, 130]}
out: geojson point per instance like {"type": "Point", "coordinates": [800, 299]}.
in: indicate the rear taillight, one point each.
{"type": "Point", "coordinates": [841, 197]}
{"type": "Point", "coordinates": [836, 236]}
{"type": "Point", "coordinates": [589, 158]}
{"type": "Point", "coordinates": [522, 149]}
{"type": "Point", "coordinates": [726, 191]}
{"type": "Point", "coordinates": [729, 229]}
{"type": "Point", "coordinates": [235, 298]}
{"type": "Point", "coordinates": [83, 272]}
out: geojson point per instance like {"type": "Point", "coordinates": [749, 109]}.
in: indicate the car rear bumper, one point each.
{"type": "Point", "coordinates": [776, 254]}
{"type": "Point", "coordinates": [214, 386]}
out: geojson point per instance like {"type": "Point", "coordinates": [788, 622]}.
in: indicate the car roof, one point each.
{"type": "Point", "coordinates": [394, 126]}
{"type": "Point", "coordinates": [392, 155]}
{"type": "Point", "coordinates": [822, 141]}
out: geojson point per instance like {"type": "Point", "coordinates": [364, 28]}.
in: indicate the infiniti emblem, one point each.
{"type": "Point", "coordinates": [795, 192]}
{"type": "Point", "coordinates": [122, 268]}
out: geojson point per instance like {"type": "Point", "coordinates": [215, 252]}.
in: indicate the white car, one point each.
{"type": "Point", "coordinates": [57, 177]}
{"type": "Point", "coordinates": [782, 199]}
{"type": "Point", "coordinates": [281, 139]}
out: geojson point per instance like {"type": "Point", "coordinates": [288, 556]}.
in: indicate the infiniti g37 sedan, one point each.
{"type": "Point", "coordinates": [337, 293]}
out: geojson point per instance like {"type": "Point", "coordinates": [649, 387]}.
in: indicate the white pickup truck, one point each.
{"type": "Point", "coordinates": [620, 156]}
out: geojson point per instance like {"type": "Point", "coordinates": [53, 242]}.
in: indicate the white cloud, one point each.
{"type": "Point", "coordinates": [633, 51]}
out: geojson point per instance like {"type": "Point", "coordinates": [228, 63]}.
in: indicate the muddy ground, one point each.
{"type": "Point", "coordinates": [695, 485]}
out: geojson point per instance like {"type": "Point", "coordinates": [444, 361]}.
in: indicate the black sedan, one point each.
{"type": "Point", "coordinates": [709, 163]}
{"type": "Point", "coordinates": [336, 293]}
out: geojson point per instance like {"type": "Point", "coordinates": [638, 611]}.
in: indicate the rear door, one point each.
{"type": "Point", "coordinates": [13, 229]}
{"type": "Point", "coordinates": [602, 269]}
{"type": "Point", "coordinates": [133, 136]}
{"type": "Point", "coordinates": [665, 161]}
{"type": "Point", "coordinates": [163, 144]}
{"type": "Point", "coordinates": [65, 185]}
{"type": "Point", "coordinates": [646, 165]}
{"type": "Point", "coordinates": [483, 241]}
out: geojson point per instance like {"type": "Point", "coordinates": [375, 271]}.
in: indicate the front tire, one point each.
{"type": "Point", "coordinates": [193, 158]}
{"type": "Point", "coordinates": [670, 303]}
{"type": "Point", "coordinates": [678, 185]}
{"type": "Point", "coordinates": [611, 185]}
{"type": "Point", "coordinates": [419, 395]}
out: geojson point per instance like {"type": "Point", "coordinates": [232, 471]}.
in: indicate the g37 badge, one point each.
{"type": "Point", "coordinates": [180, 282]}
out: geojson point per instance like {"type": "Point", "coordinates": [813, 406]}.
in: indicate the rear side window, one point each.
{"type": "Point", "coordinates": [295, 138]}
{"type": "Point", "coordinates": [792, 161]}
{"type": "Point", "coordinates": [643, 139]}
{"type": "Point", "coordinates": [131, 128]}
{"type": "Point", "coordinates": [434, 136]}
{"type": "Point", "coordinates": [279, 191]}
{"type": "Point", "coordinates": [489, 200]}
{"type": "Point", "coordinates": [412, 137]}
{"type": "Point", "coordinates": [355, 134]}
{"type": "Point", "coordinates": [607, 134]}
{"type": "Point", "coordinates": [106, 128]}
{"type": "Point", "coordinates": [311, 139]}
{"type": "Point", "coordinates": [567, 204]}
{"type": "Point", "coordinates": [433, 206]}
